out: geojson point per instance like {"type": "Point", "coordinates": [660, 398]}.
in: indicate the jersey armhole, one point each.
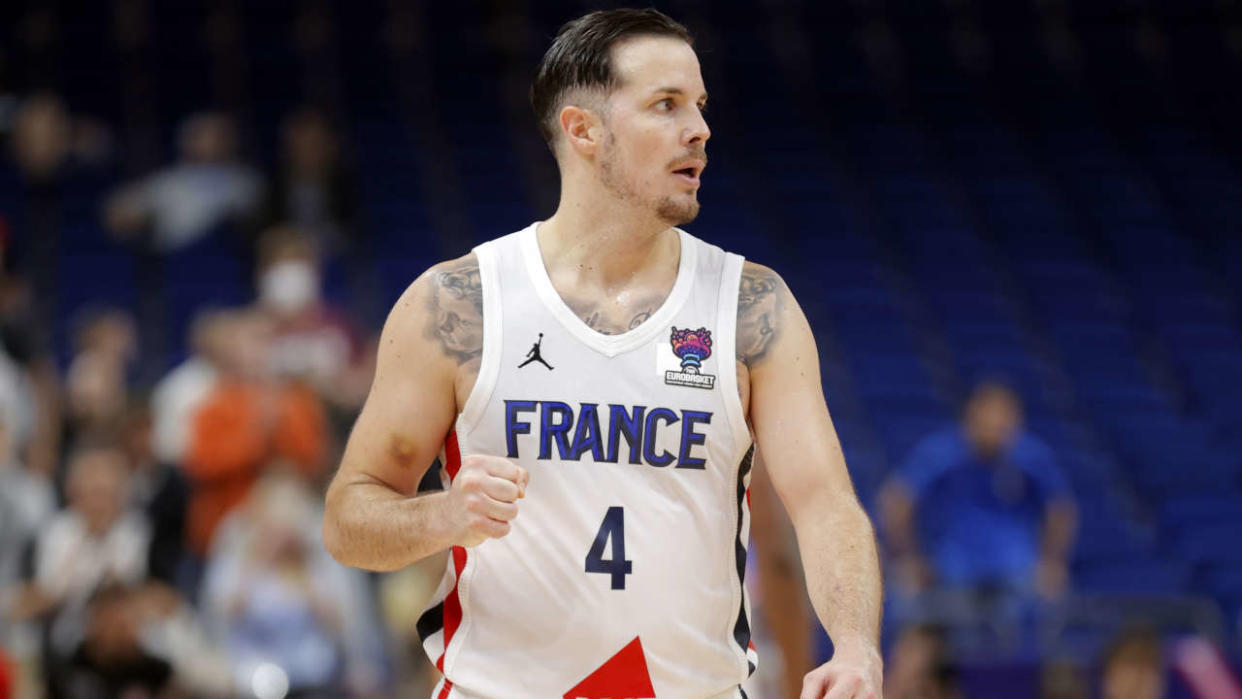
{"type": "Point", "coordinates": [489, 361]}
{"type": "Point", "coordinates": [730, 281]}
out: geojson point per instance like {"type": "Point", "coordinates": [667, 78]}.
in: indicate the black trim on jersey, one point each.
{"type": "Point", "coordinates": [430, 622]}
{"type": "Point", "coordinates": [743, 691]}
{"type": "Point", "coordinates": [741, 629]}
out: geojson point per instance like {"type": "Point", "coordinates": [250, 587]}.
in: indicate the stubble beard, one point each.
{"type": "Point", "coordinates": [675, 212]}
{"type": "Point", "coordinates": [670, 210]}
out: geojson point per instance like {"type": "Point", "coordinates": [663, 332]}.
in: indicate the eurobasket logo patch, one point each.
{"type": "Point", "coordinates": [692, 347]}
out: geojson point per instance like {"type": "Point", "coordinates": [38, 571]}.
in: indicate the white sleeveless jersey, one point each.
{"type": "Point", "coordinates": [622, 575]}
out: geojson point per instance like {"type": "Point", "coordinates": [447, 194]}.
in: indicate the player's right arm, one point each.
{"type": "Point", "coordinates": [374, 518]}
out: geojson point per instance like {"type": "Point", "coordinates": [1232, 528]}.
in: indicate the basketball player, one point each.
{"type": "Point", "coordinates": [597, 514]}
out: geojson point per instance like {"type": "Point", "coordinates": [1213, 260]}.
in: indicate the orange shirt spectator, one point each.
{"type": "Point", "coordinates": [239, 429]}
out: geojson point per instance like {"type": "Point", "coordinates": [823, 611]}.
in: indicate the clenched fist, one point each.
{"type": "Point", "coordinates": [482, 499]}
{"type": "Point", "coordinates": [855, 672]}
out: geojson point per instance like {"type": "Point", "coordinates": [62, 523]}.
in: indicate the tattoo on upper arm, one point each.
{"type": "Point", "coordinates": [457, 309]}
{"type": "Point", "coordinates": [759, 303]}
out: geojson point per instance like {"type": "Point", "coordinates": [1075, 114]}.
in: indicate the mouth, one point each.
{"type": "Point", "coordinates": [689, 172]}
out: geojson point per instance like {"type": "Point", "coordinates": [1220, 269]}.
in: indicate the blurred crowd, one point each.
{"type": "Point", "coordinates": [978, 527]}
{"type": "Point", "coordinates": [159, 530]}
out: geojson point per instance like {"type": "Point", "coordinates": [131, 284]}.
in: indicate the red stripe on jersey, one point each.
{"type": "Point", "coordinates": [444, 691]}
{"type": "Point", "coordinates": [748, 497]}
{"type": "Point", "coordinates": [452, 605]}
{"type": "Point", "coordinates": [751, 645]}
{"type": "Point", "coordinates": [452, 454]}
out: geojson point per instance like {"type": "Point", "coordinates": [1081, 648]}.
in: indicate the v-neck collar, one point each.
{"type": "Point", "coordinates": [609, 345]}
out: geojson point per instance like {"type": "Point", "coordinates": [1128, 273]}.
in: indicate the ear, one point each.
{"type": "Point", "coordinates": [582, 128]}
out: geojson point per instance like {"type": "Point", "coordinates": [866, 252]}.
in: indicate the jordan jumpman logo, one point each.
{"type": "Point", "coordinates": [533, 355]}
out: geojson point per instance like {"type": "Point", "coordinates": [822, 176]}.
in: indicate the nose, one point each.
{"type": "Point", "coordinates": [697, 132]}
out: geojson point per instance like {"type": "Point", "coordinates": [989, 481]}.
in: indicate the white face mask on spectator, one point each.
{"type": "Point", "coordinates": [289, 286]}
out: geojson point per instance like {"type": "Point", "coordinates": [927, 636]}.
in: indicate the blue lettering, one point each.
{"type": "Point", "coordinates": [578, 436]}
{"type": "Point", "coordinates": [558, 430]}
{"type": "Point", "coordinates": [512, 427]}
{"type": "Point", "coordinates": [649, 437]}
{"type": "Point", "coordinates": [620, 423]}
{"type": "Point", "coordinates": [690, 438]}
{"type": "Point", "coordinates": [586, 437]}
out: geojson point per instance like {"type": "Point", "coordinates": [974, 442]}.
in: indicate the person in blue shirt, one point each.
{"type": "Point", "coordinates": [981, 505]}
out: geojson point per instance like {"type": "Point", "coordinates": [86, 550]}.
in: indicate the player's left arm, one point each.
{"type": "Point", "coordinates": [799, 444]}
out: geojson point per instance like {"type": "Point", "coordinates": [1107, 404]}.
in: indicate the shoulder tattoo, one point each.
{"type": "Point", "coordinates": [456, 306]}
{"type": "Point", "coordinates": [759, 303]}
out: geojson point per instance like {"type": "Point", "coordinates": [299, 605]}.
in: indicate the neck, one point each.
{"type": "Point", "coordinates": [600, 241]}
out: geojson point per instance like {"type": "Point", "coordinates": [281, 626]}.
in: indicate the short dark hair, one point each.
{"type": "Point", "coordinates": [581, 56]}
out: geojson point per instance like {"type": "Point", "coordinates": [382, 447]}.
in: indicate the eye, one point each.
{"type": "Point", "coordinates": [665, 105]}
{"type": "Point", "coordinates": [702, 108]}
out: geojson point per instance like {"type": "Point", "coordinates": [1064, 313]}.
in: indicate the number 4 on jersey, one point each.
{"type": "Point", "coordinates": [618, 567]}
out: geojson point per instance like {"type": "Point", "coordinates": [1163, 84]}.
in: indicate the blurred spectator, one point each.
{"type": "Point", "coordinates": [97, 539]}
{"type": "Point", "coordinates": [249, 419]}
{"type": "Point", "coordinates": [313, 341]}
{"type": "Point", "coordinates": [49, 148]}
{"type": "Point", "coordinates": [143, 641]}
{"type": "Point", "coordinates": [279, 601]}
{"type": "Point", "coordinates": [95, 542]}
{"type": "Point", "coordinates": [29, 389]}
{"type": "Point", "coordinates": [16, 331]}
{"type": "Point", "coordinates": [207, 188]}
{"type": "Point", "coordinates": [40, 145]}
{"type": "Point", "coordinates": [1133, 667]}
{"type": "Point", "coordinates": [403, 596]}
{"type": "Point", "coordinates": [779, 604]}
{"type": "Point", "coordinates": [96, 385]}
{"type": "Point", "coordinates": [27, 502]}
{"type": "Point", "coordinates": [17, 407]}
{"type": "Point", "coordinates": [312, 189]}
{"type": "Point", "coordinates": [919, 666]}
{"type": "Point", "coordinates": [183, 389]}
{"type": "Point", "coordinates": [159, 491]}
{"type": "Point", "coordinates": [169, 629]}
{"type": "Point", "coordinates": [46, 139]}
{"type": "Point", "coordinates": [41, 138]}
{"type": "Point", "coordinates": [110, 661]}
{"type": "Point", "coordinates": [981, 505]}
{"type": "Point", "coordinates": [1063, 679]}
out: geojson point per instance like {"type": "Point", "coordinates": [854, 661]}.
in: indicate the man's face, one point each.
{"type": "Point", "coordinates": [209, 139]}
{"type": "Point", "coordinates": [653, 150]}
{"type": "Point", "coordinates": [97, 487]}
{"type": "Point", "coordinates": [309, 145]}
{"type": "Point", "coordinates": [993, 419]}
{"type": "Point", "coordinates": [248, 352]}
